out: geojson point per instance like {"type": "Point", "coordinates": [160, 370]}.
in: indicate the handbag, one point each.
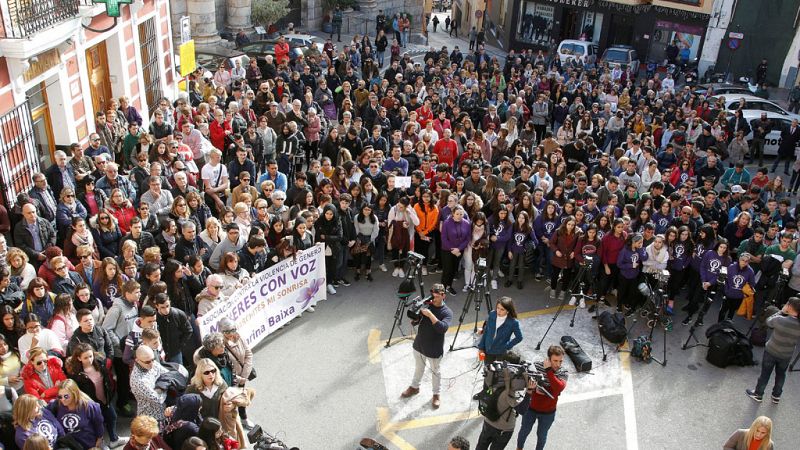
{"type": "Point", "coordinates": [253, 373]}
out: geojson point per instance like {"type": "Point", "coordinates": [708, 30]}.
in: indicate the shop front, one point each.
{"type": "Point", "coordinates": [648, 26]}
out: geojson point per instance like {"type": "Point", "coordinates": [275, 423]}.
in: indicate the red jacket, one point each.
{"type": "Point", "coordinates": [447, 151]}
{"type": "Point", "coordinates": [282, 53]}
{"type": "Point", "coordinates": [218, 133]}
{"type": "Point", "coordinates": [33, 384]}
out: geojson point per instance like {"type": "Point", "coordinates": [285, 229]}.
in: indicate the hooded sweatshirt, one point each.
{"type": "Point", "coordinates": [630, 262]}
{"type": "Point", "coordinates": [120, 320]}
{"type": "Point", "coordinates": [47, 425]}
{"type": "Point", "coordinates": [737, 278]}
{"type": "Point", "coordinates": [502, 230]}
{"type": "Point", "coordinates": [710, 266]}
{"type": "Point", "coordinates": [680, 256]}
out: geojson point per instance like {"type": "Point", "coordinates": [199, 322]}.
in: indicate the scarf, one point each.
{"type": "Point", "coordinates": [170, 241]}
{"type": "Point", "coordinates": [85, 239]}
{"type": "Point", "coordinates": [91, 305]}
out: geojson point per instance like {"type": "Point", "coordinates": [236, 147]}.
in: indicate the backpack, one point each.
{"type": "Point", "coordinates": [641, 348]}
{"type": "Point", "coordinates": [727, 346]}
{"type": "Point", "coordinates": [488, 398]}
{"type": "Point", "coordinates": [612, 327]}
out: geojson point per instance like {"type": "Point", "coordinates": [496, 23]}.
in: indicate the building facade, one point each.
{"type": "Point", "coordinates": [647, 25]}
{"type": "Point", "coordinates": [63, 60]}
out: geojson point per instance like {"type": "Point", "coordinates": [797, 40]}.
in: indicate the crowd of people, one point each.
{"type": "Point", "coordinates": [534, 164]}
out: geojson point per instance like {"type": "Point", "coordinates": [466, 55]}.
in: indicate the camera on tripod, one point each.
{"type": "Point", "coordinates": [262, 440]}
{"type": "Point", "coordinates": [415, 259]}
{"type": "Point", "coordinates": [480, 265]}
{"type": "Point", "coordinates": [723, 275]}
{"type": "Point", "coordinates": [587, 261]}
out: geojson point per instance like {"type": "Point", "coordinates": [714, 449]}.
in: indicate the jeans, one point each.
{"type": "Point", "coordinates": [177, 358]}
{"type": "Point", "coordinates": [380, 248]}
{"type": "Point", "coordinates": [768, 363]}
{"type": "Point", "coordinates": [404, 36]}
{"type": "Point", "coordinates": [490, 435]}
{"type": "Point", "coordinates": [420, 361]}
{"type": "Point", "coordinates": [336, 28]}
{"type": "Point", "coordinates": [757, 151]}
{"type": "Point", "coordinates": [110, 421]}
{"type": "Point", "coordinates": [381, 56]}
{"type": "Point", "coordinates": [493, 262]}
{"type": "Point", "coordinates": [450, 263]}
{"type": "Point", "coordinates": [528, 419]}
{"type": "Point", "coordinates": [517, 267]}
{"type": "Point", "coordinates": [542, 262]}
{"type": "Point", "coordinates": [794, 184]}
{"type": "Point", "coordinates": [341, 262]}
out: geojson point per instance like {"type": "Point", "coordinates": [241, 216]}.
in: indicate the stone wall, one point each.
{"type": "Point", "coordinates": [222, 13]}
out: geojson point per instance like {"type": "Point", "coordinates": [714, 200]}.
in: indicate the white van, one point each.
{"type": "Point", "coordinates": [583, 51]}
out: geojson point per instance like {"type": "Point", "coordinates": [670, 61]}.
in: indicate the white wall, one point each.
{"type": "Point", "coordinates": [791, 60]}
{"type": "Point", "coordinates": [716, 34]}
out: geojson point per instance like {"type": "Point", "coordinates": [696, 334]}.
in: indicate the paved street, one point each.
{"type": "Point", "coordinates": [325, 381]}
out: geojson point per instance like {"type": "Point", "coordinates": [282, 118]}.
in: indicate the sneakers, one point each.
{"type": "Point", "coordinates": [118, 443]}
{"type": "Point", "coordinates": [700, 322]}
{"type": "Point", "coordinates": [775, 400]}
{"type": "Point", "coordinates": [552, 294]}
{"type": "Point", "coordinates": [331, 289]}
{"type": "Point", "coordinates": [311, 309]}
{"type": "Point", "coordinates": [494, 285]}
{"type": "Point", "coordinates": [401, 273]}
{"type": "Point", "coordinates": [369, 277]}
{"type": "Point", "coordinates": [410, 392]}
{"type": "Point", "coordinates": [424, 270]}
{"type": "Point", "coordinates": [451, 290]}
{"type": "Point", "coordinates": [687, 321]}
{"type": "Point", "coordinates": [582, 304]}
{"type": "Point", "coordinates": [383, 268]}
{"type": "Point", "coordinates": [572, 301]}
{"type": "Point", "coordinates": [752, 394]}
{"type": "Point", "coordinates": [344, 282]}
{"type": "Point", "coordinates": [466, 288]}
{"type": "Point", "coordinates": [561, 295]}
{"type": "Point", "coordinates": [395, 272]}
{"type": "Point", "coordinates": [500, 274]}
{"type": "Point", "coordinates": [435, 401]}
{"type": "Point", "coordinates": [335, 283]}
{"type": "Point", "coordinates": [538, 277]}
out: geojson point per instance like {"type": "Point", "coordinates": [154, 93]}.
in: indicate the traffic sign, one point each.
{"type": "Point", "coordinates": [734, 44]}
{"type": "Point", "coordinates": [186, 30]}
{"type": "Point", "coordinates": [188, 62]}
{"type": "Point", "coordinates": [733, 35]}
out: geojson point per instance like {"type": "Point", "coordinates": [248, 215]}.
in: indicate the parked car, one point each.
{"type": "Point", "coordinates": [210, 60]}
{"type": "Point", "coordinates": [583, 51]}
{"type": "Point", "coordinates": [773, 139]}
{"type": "Point", "coordinates": [752, 103]}
{"type": "Point", "coordinates": [305, 41]}
{"type": "Point", "coordinates": [721, 89]}
{"type": "Point", "coordinates": [624, 55]}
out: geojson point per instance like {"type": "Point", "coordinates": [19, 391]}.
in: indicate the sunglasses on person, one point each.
{"type": "Point", "coordinates": [63, 397]}
{"type": "Point", "coordinates": [209, 372]}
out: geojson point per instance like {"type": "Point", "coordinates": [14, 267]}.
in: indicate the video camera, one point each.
{"type": "Point", "coordinates": [415, 259]}
{"type": "Point", "coordinates": [415, 306]}
{"type": "Point", "coordinates": [587, 261]}
{"type": "Point", "coordinates": [481, 265]}
{"type": "Point", "coordinates": [262, 440]}
{"type": "Point", "coordinates": [519, 373]}
{"type": "Point", "coordinates": [722, 275]}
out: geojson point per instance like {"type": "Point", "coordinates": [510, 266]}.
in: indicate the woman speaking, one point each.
{"type": "Point", "coordinates": [497, 331]}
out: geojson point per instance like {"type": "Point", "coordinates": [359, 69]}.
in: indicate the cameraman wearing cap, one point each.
{"type": "Point", "coordinates": [543, 406]}
{"type": "Point", "coordinates": [429, 343]}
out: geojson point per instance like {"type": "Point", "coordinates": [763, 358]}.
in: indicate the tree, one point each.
{"type": "Point", "coordinates": [267, 12]}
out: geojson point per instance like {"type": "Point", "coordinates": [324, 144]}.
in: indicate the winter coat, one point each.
{"type": "Point", "coordinates": [566, 244]}
{"type": "Point", "coordinates": [33, 383]}
{"type": "Point", "coordinates": [149, 401]}
{"type": "Point", "coordinates": [119, 320]}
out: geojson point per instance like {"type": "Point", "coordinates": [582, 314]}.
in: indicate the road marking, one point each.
{"type": "Point", "coordinates": [631, 434]}
{"type": "Point", "coordinates": [387, 429]}
{"type": "Point", "coordinates": [374, 345]}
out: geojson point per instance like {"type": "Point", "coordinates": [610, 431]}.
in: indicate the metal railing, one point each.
{"type": "Point", "coordinates": [28, 17]}
{"type": "Point", "coordinates": [19, 158]}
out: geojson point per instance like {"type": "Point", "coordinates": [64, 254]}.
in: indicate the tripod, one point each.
{"type": "Point", "coordinates": [709, 299]}
{"type": "Point", "coordinates": [477, 292]}
{"type": "Point", "coordinates": [414, 273]}
{"type": "Point", "coordinates": [654, 318]}
{"type": "Point", "coordinates": [576, 289]}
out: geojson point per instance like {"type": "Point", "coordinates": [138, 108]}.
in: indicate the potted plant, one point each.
{"type": "Point", "coordinates": [268, 12]}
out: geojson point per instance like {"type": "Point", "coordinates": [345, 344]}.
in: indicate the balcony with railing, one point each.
{"type": "Point", "coordinates": [24, 18]}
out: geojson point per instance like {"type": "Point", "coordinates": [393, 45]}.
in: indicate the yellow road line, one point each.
{"type": "Point", "coordinates": [436, 420]}
{"type": "Point", "coordinates": [387, 429]}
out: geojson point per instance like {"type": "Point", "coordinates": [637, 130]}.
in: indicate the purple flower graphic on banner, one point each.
{"type": "Point", "coordinates": [311, 292]}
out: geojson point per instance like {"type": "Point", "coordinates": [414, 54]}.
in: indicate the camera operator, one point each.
{"type": "Point", "coordinates": [497, 433]}
{"type": "Point", "coordinates": [497, 331]}
{"type": "Point", "coordinates": [429, 343]}
{"type": "Point", "coordinates": [779, 350]}
{"type": "Point", "coordinates": [543, 407]}
{"type": "Point", "coordinates": [739, 274]}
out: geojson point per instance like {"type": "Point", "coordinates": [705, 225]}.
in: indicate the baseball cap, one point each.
{"type": "Point", "coordinates": [736, 189]}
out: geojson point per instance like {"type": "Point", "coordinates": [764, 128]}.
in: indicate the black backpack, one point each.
{"type": "Point", "coordinates": [612, 327]}
{"type": "Point", "coordinates": [727, 346]}
{"type": "Point", "coordinates": [487, 402]}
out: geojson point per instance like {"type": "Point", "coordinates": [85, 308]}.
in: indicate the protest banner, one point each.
{"type": "Point", "coordinates": [273, 297]}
